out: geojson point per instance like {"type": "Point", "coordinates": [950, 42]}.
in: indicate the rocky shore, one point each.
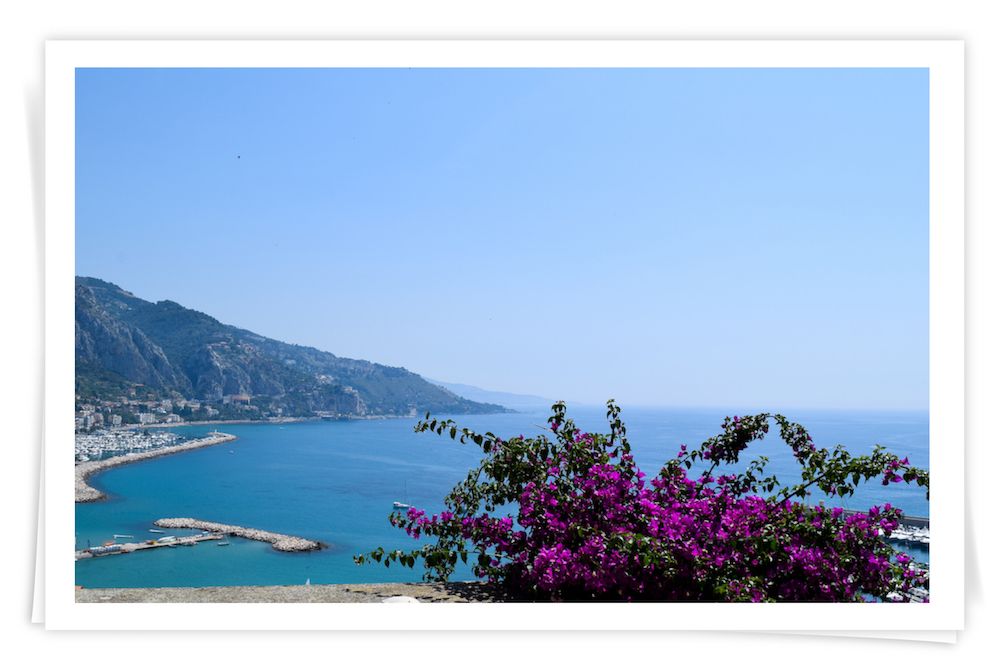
{"type": "Point", "coordinates": [470, 592]}
{"type": "Point", "coordinates": [282, 542]}
{"type": "Point", "coordinates": [84, 470]}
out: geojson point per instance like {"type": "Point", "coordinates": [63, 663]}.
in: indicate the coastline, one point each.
{"type": "Point", "coordinates": [83, 471]}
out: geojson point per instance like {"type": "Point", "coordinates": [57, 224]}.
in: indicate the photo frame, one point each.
{"type": "Point", "coordinates": [943, 60]}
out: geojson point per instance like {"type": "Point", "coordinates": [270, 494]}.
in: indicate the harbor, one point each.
{"type": "Point", "coordinates": [84, 470]}
{"type": "Point", "coordinates": [208, 532]}
{"type": "Point", "coordinates": [104, 444]}
{"type": "Point", "coordinates": [915, 536]}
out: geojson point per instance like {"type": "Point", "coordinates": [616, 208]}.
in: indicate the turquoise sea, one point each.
{"type": "Point", "coordinates": [335, 482]}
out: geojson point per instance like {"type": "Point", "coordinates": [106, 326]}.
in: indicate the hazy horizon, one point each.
{"type": "Point", "coordinates": [670, 238]}
{"type": "Point", "coordinates": [600, 403]}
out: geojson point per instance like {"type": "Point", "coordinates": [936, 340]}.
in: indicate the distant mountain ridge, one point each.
{"type": "Point", "coordinates": [517, 401]}
{"type": "Point", "coordinates": [123, 341]}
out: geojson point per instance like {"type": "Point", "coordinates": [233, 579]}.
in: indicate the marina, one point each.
{"type": "Point", "coordinates": [84, 470]}
{"type": "Point", "coordinates": [105, 444]}
{"type": "Point", "coordinates": [920, 536]}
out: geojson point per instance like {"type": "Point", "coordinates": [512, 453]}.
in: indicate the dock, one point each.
{"type": "Point", "coordinates": [125, 548]}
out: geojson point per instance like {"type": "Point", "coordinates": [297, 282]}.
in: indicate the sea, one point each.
{"type": "Point", "coordinates": [335, 482]}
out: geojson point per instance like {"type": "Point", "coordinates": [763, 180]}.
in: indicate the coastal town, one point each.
{"type": "Point", "coordinates": [100, 415]}
{"type": "Point", "coordinates": [150, 410]}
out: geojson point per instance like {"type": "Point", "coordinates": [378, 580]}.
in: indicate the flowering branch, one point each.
{"type": "Point", "coordinates": [589, 526]}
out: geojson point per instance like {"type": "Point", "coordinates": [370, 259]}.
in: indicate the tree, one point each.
{"type": "Point", "coordinates": [588, 524]}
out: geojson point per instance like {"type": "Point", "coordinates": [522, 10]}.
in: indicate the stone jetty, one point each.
{"type": "Point", "coordinates": [84, 470]}
{"type": "Point", "coordinates": [282, 542]}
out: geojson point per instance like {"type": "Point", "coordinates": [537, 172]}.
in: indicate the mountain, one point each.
{"type": "Point", "coordinates": [516, 401]}
{"type": "Point", "coordinates": [124, 342]}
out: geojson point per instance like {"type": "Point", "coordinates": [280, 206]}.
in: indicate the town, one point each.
{"type": "Point", "coordinates": [144, 410]}
{"type": "Point", "coordinates": [95, 415]}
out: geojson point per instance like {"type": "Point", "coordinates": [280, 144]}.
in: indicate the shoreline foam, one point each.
{"type": "Point", "coordinates": [85, 470]}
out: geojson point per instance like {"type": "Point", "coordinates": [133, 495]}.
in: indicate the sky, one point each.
{"type": "Point", "coordinates": [678, 237]}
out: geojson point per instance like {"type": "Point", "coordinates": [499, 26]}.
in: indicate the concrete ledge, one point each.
{"type": "Point", "coordinates": [470, 592]}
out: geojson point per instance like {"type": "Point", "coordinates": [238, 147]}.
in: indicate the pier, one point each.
{"type": "Point", "coordinates": [84, 470]}
{"type": "Point", "coordinates": [125, 548]}
{"type": "Point", "coordinates": [282, 542]}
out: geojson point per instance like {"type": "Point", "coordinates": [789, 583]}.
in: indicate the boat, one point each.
{"type": "Point", "coordinates": [222, 543]}
{"type": "Point", "coordinates": [123, 536]}
{"type": "Point", "coordinates": [402, 505]}
{"type": "Point", "coordinates": [157, 531]}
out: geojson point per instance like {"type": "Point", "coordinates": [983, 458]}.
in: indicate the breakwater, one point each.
{"type": "Point", "coordinates": [282, 542]}
{"type": "Point", "coordinates": [84, 470]}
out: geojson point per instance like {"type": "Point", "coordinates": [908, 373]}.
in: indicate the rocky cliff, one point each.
{"type": "Point", "coordinates": [122, 341]}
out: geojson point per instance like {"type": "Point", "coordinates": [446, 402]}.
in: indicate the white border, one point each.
{"type": "Point", "coordinates": [945, 62]}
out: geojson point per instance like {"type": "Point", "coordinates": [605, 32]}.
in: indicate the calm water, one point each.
{"type": "Point", "coordinates": [335, 482]}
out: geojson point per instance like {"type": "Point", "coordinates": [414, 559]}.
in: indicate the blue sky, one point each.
{"type": "Point", "coordinates": [687, 237]}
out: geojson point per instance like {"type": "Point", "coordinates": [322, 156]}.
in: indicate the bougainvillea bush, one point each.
{"type": "Point", "coordinates": [573, 518]}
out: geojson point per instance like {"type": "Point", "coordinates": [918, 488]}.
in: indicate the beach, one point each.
{"type": "Point", "coordinates": [84, 470]}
